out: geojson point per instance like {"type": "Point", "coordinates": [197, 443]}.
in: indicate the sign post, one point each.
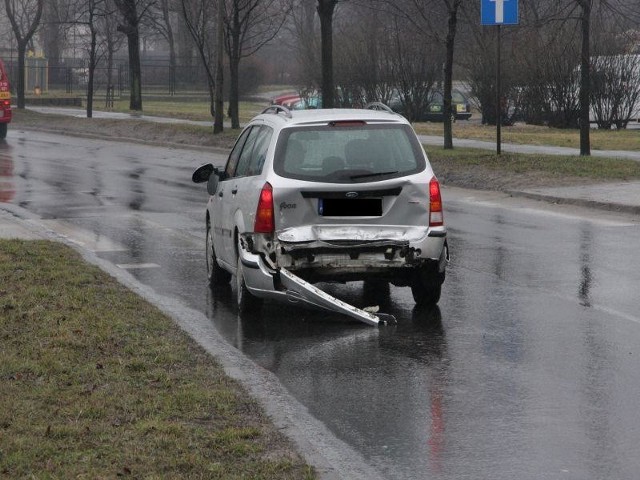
{"type": "Point", "coordinates": [498, 13]}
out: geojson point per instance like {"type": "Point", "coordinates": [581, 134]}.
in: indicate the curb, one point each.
{"type": "Point", "coordinates": [579, 202]}
{"type": "Point", "coordinates": [97, 136]}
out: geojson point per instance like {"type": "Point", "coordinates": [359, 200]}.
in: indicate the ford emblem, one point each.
{"type": "Point", "coordinates": [351, 194]}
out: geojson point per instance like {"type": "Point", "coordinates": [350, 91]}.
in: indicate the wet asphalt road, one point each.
{"type": "Point", "coordinates": [528, 369]}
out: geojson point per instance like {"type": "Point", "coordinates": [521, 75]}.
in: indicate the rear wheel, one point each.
{"type": "Point", "coordinates": [215, 273]}
{"type": "Point", "coordinates": [426, 286]}
{"type": "Point", "coordinates": [3, 130]}
{"type": "Point", "coordinates": [247, 302]}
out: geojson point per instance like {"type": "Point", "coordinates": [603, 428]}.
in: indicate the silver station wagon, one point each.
{"type": "Point", "coordinates": [325, 195]}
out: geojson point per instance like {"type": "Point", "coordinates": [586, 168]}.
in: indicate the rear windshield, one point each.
{"type": "Point", "coordinates": [348, 154]}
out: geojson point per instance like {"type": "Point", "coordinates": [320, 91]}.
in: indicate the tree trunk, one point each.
{"type": "Point", "coordinates": [22, 39]}
{"type": "Point", "coordinates": [218, 93]}
{"type": "Point", "coordinates": [234, 91]}
{"type": "Point", "coordinates": [448, 74]}
{"type": "Point", "coordinates": [325, 12]}
{"type": "Point", "coordinates": [92, 69]}
{"type": "Point", "coordinates": [20, 89]}
{"type": "Point", "coordinates": [135, 72]}
{"type": "Point", "coordinates": [130, 28]}
{"type": "Point", "coordinates": [234, 68]}
{"type": "Point", "coordinates": [585, 78]}
{"type": "Point", "coordinates": [172, 47]}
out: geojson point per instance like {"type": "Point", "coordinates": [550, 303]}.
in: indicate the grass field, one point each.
{"type": "Point", "coordinates": [97, 383]}
{"type": "Point", "coordinates": [539, 135]}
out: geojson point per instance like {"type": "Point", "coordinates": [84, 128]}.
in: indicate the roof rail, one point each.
{"type": "Point", "coordinates": [276, 109]}
{"type": "Point", "coordinates": [378, 106]}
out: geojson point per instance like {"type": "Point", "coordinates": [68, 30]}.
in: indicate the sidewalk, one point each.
{"type": "Point", "coordinates": [12, 227]}
{"type": "Point", "coordinates": [516, 148]}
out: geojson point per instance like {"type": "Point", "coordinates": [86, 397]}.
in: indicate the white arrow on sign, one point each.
{"type": "Point", "coordinates": [499, 10]}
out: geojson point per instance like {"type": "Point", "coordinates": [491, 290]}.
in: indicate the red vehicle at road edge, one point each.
{"type": "Point", "coordinates": [5, 101]}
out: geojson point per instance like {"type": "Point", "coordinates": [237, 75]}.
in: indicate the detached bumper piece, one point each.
{"type": "Point", "coordinates": [297, 290]}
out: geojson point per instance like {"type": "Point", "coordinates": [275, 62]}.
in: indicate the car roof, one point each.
{"type": "Point", "coordinates": [292, 118]}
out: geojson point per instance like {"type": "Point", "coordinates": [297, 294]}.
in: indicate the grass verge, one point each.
{"type": "Point", "coordinates": [97, 383]}
{"type": "Point", "coordinates": [133, 129]}
{"type": "Point", "coordinates": [484, 169]}
{"type": "Point", "coordinates": [538, 135]}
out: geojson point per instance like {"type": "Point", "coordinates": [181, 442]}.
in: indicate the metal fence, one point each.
{"type": "Point", "coordinates": [158, 79]}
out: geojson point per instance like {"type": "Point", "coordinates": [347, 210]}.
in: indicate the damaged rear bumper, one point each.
{"type": "Point", "coordinates": [274, 268]}
{"type": "Point", "coordinates": [284, 286]}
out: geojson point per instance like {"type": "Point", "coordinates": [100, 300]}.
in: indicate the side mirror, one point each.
{"type": "Point", "coordinates": [203, 173]}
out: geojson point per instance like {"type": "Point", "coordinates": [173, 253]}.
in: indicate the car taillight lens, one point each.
{"type": "Point", "coordinates": [264, 213]}
{"type": "Point", "coordinates": [436, 216]}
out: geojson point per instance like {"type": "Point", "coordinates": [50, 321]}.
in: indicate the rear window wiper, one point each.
{"type": "Point", "coordinates": [377, 174]}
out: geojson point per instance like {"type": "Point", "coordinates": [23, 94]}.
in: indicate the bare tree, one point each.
{"type": "Point", "coordinates": [414, 69]}
{"type": "Point", "coordinates": [94, 15]}
{"type": "Point", "coordinates": [57, 15]}
{"type": "Point", "coordinates": [305, 44]}
{"type": "Point", "coordinates": [585, 76]}
{"type": "Point", "coordinates": [113, 41]}
{"type": "Point", "coordinates": [24, 16]}
{"type": "Point", "coordinates": [249, 25]}
{"type": "Point", "coordinates": [428, 16]}
{"type": "Point", "coordinates": [200, 18]}
{"type": "Point", "coordinates": [132, 12]}
{"type": "Point", "coordinates": [161, 20]}
{"type": "Point", "coordinates": [615, 92]}
{"type": "Point", "coordinates": [452, 7]}
{"type": "Point", "coordinates": [326, 8]}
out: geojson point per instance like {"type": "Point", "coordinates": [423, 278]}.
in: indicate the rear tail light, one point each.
{"type": "Point", "coordinates": [264, 213]}
{"type": "Point", "coordinates": [436, 216]}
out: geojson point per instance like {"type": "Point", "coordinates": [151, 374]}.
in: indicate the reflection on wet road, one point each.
{"type": "Point", "coordinates": [528, 369]}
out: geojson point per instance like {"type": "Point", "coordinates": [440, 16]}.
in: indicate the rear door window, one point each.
{"type": "Point", "coordinates": [234, 157]}
{"type": "Point", "coordinates": [247, 151]}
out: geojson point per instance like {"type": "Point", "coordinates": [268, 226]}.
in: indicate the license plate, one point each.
{"type": "Point", "coordinates": [4, 95]}
{"type": "Point", "coordinates": [365, 207]}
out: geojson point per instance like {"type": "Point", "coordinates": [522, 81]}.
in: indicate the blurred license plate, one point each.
{"type": "Point", "coordinates": [366, 207]}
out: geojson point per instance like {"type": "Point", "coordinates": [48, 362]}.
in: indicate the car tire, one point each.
{"type": "Point", "coordinates": [426, 286]}
{"type": "Point", "coordinates": [216, 275]}
{"type": "Point", "coordinates": [247, 302]}
{"type": "Point", "coordinates": [3, 131]}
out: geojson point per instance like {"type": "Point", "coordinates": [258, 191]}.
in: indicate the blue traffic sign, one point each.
{"type": "Point", "coordinates": [499, 12]}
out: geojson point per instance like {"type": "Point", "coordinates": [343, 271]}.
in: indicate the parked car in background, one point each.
{"type": "Point", "coordinates": [326, 195]}
{"type": "Point", "coordinates": [434, 112]}
{"type": "Point", "coordinates": [5, 101]}
{"type": "Point", "coordinates": [313, 102]}
{"type": "Point", "coordinates": [285, 98]}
